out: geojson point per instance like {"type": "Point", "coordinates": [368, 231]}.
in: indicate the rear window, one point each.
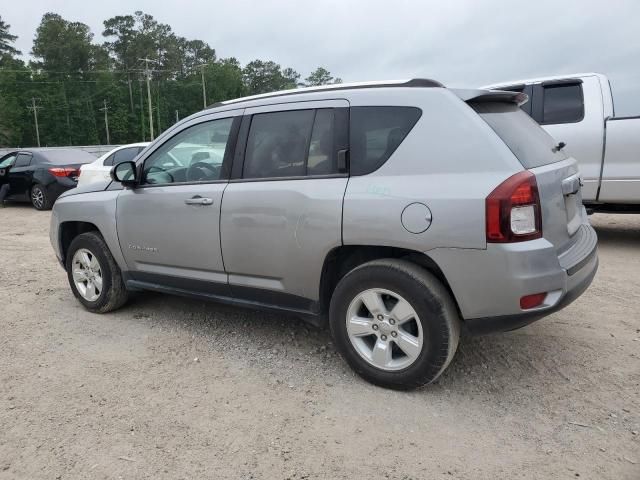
{"type": "Point", "coordinates": [375, 133]}
{"type": "Point", "coordinates": [65, 157]}
{"type": "Point", "coordinates": [526, 139]}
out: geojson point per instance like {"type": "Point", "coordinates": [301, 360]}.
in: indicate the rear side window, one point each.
{"type": "Point", "coordinates": [277, 144]}
{"type": "Point", "coordinates": [562, 104]}
{"type": "Point", "coordinates": [294, 143]}
{"type": "Point", "coordinates": [525, 138]}
{"type": "Point", "coordinates": [124, 155]}
{"type": "Point", "coordinates": [375, 133]}
{"type": "Point", "coordinates": [108, 161]}
{"type": "Point", "coordinates": [23, 160]}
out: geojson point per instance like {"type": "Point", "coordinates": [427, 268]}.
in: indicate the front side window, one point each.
{"type": "Point", "coordinates": [563, 104]}
{"type": "Point", "coordinates": [8, 161]}
{"type": "Point", "coordinates": [195, 154]}
{"type": "Point", "coordinates": [375, 133]}
{"type": "Point", "coordinates": [23, 160]}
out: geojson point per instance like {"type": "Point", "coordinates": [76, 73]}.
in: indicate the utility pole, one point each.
{"type": "Point", "coordinates": [204, 87]}
{"type": "Point", "coordinates": [144, 139]}
{"type": "Point", "coordinates": [34, 108]}
{"type": "Point", "coordinates": [106, 120]}
{"type": "Point", "coordinates": [148, 72]}
{"type": "Point", "coordinates": [177, 119]}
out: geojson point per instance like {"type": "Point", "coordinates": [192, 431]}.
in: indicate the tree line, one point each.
{"type": "Point", "coordinates": [73, 85]}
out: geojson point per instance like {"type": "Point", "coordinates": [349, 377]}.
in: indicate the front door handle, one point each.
{"type": "Point", "coordinates": [198, 200]}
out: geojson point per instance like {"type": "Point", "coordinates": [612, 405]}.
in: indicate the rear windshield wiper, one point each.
{"type": "Point", "coordinates": [558, 147]}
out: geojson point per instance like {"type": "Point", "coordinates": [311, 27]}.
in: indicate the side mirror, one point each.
{"type": "Point", "coordinates": [125, 173]}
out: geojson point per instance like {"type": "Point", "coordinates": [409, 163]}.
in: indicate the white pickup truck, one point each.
{"type": "Point", "coordinates": [578, 110]}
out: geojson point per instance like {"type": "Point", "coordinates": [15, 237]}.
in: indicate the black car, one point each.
{"type": "Point", "coordinates": [41, 175]}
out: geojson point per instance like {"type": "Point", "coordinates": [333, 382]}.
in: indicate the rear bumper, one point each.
{"type": "Point", "coordinates": [59, 186]}
{"type": "Point", "coordinates": [488, 284]}
{"type": "Point", "coordinates": [505, 323]}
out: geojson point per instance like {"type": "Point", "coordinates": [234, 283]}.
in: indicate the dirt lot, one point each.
{"type": "Point", "coordinates": [174, 388]}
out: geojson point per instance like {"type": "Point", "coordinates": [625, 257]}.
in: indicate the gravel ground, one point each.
{"type": "Point", "coordinates": [175, 388]}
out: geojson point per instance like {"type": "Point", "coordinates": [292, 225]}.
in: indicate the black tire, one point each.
{"type": "Point", "coordinates": [113, 294]}
{"type": "Point", "coordinates": [430, 300]}
{"type": "Point", "coordinates": [40, 199]}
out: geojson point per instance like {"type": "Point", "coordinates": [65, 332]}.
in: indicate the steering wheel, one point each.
{"type": "Point", "coordinates": [158, 178]}
{"type": "Point", "coordinates": [198, 171]}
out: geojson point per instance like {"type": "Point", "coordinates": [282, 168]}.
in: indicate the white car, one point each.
{"type": "Point", "coordinates": [101, 168]}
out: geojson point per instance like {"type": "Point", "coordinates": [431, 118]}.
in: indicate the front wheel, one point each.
{"type": "Point", "coordinates": [394, 323]}
{"type": "Point", "coordinates": [94, 275]}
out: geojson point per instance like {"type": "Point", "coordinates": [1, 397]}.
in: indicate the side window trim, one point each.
{"type": "Point", "coordinates": [226, 161]}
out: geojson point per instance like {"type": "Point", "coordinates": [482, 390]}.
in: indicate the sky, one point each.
{"type": "Point", "coordinates": [461, 43]}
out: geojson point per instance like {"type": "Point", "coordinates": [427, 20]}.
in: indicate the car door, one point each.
{"type": "Point", "coordinates": [282, 211]}
{"type": "Point", "coordinates": [6, 163]}
{"type": "Point", "coordinates": [20, 175]}
{"type": "Point", "coordinates": [168, 225]}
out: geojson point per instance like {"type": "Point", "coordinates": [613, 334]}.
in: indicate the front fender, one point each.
{"type": "Point", "coordinates": [97, 208]}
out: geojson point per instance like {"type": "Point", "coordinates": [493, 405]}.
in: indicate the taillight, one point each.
{"type": "Point", "coordinates": [64, 171]}
{"type": "Point", "coordinates": [513, 210]}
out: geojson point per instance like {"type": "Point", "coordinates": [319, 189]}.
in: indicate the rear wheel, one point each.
{"type": "Point", "coordinates": [394, 323]}
{"type": "Point", "coordinates": [40, 199]}
{"type": "Point", "coordinates": [94, 275]}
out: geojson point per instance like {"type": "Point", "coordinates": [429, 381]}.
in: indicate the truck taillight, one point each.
{"type": "Point", "coordinates": [64, 171]}
{"type": "Point", "coordinates": [513, 210]}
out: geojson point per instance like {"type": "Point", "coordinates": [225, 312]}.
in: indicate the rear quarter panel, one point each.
{"type": "Point", "coordinates": [450, 161]}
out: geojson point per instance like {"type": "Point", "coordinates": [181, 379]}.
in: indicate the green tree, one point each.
{"type": "Point", "coordinates": [262, 77]}
{"type": "Point", "coordinates": [62, 46]}
{"type": "Point", "coordinates": [320, 76]}
{"type": "Point", "coordinates": [6, 40]}
{"type": "Point", "coordinates": [71, 76]}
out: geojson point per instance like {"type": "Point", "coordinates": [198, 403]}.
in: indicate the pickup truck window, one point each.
{"type": "Point", "coordinates": [525, 138]}
{"type": "Point", "coordinates": [563, 104]}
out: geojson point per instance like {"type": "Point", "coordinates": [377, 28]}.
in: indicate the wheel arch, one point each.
{"type": "Point", "coordinates": [70, 230]}
{"type": "Point", "coordinates": [342, 259]}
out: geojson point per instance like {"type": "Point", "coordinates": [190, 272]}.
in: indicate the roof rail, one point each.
{"type": "Point", "coordinates": [414, 82]}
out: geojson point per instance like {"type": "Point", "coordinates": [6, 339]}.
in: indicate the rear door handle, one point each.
{"type": "Point", "coordinates": [198, 200]}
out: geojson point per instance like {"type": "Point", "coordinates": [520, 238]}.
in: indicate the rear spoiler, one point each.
{"type": "Point", "coordinates": [518, 98]}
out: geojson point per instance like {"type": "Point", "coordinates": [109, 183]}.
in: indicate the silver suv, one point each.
{"type": "Point", "coordinates": [397, 211]}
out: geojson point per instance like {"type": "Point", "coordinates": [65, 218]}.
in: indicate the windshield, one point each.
{"type": "Point", "coordinates": [527, 140]}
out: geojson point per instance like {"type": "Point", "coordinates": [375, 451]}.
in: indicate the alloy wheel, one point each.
{"type": "Point", "coordinates": [384, 329]}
